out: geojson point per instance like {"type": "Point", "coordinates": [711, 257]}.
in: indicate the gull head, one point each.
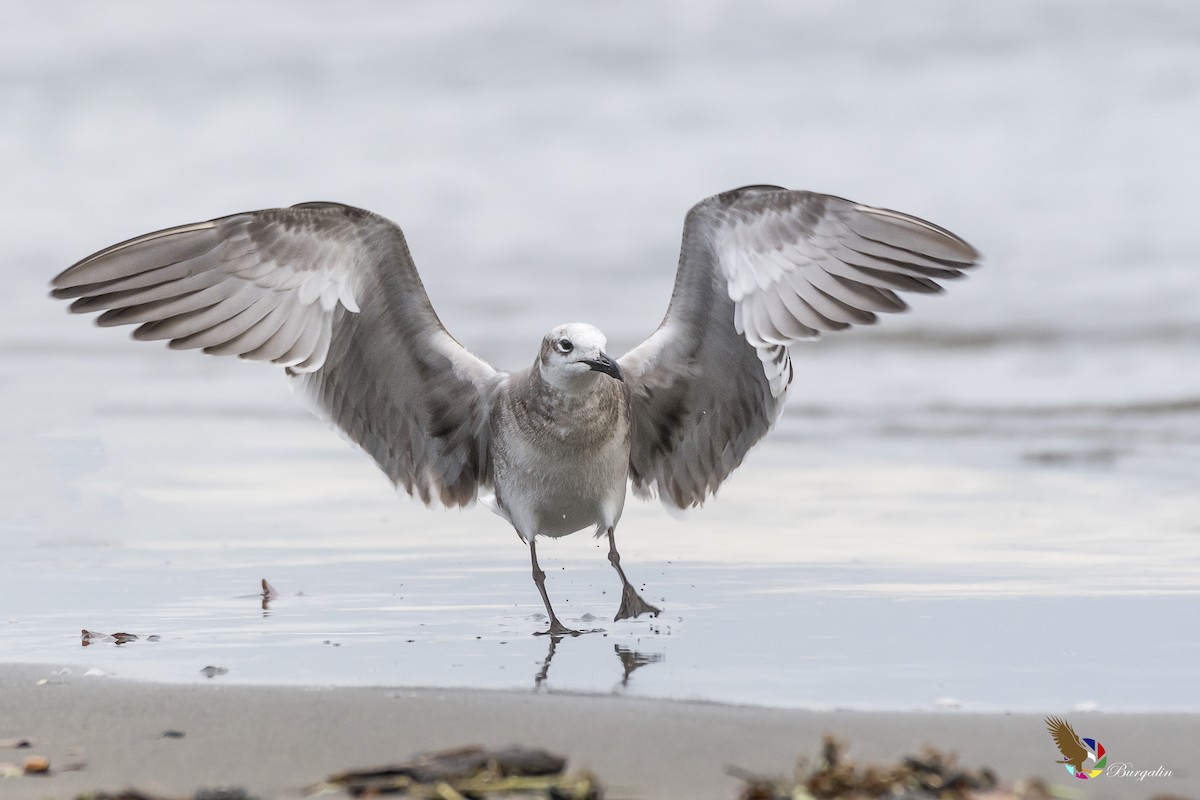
{"type": "Point", "coordinates": [571, 353]}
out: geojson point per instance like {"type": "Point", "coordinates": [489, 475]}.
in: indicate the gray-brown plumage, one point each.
{"type": "Point", "coordinates": [331, 293]}
{"type": "Point", "coordinates": [1068, 742]}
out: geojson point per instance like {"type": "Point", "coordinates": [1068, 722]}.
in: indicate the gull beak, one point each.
{"type": "Point", "coordinates": [604, 363]}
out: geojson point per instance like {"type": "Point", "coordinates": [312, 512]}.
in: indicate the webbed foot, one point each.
{"type": "Point", "coordinates": [633, 606]}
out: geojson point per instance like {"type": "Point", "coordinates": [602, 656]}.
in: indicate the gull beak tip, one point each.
{"type": "Point", "coordinates": [604, 363]}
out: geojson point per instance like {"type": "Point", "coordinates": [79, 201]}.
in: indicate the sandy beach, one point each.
{"type": "Point", "coordinates": [277, 741]}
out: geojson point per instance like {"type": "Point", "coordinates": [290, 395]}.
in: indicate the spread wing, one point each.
{"type": "Point", "coordinates": [330, 292]}
{"type": "Point", "coordinates": [762, 268]}
{"type": "Point", "coordinates": [1068, 741]}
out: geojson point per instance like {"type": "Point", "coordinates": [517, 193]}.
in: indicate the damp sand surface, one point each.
{"type": "Point", "coordinates": [279, 742]}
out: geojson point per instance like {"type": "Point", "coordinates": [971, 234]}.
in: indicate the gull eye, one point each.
{"type": "Point", "coordinates": [564, 345]}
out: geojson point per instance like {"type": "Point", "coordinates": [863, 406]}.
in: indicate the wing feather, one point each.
{"type": "Point", "coordinates": [160, 290]}
{"type": "Point", "coordinates": [185, 330]}
{"type": "Point", "coordinates": [320, 351]}
{"type": "Point", "coordinates": [156, 310]}
{"type": "Point", "coordinates": [256, 335]}
{"type": "Point", "coordinates": [760, 269]}
{"type": "Point", "coordinates": [220, 323]}
{"type": "Point", "coordinates": [330, 292]}
{"type": "Point", "coordinates": [852, 292]}
{"type": "Point", "coordinates": [151, 277]}
{"type": "Point", "coordinates": [126, 259]}
{"type": "Point", "coordinates": [294, 322]}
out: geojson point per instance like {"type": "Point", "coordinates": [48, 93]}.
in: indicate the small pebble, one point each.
{"type": "Point", "coordinates": [35, 765]}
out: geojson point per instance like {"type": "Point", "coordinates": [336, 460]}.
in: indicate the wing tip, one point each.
{"type": "Point", "coordinates": [964, 255]}
{"type": "Point", "coordinates": [76, 274]}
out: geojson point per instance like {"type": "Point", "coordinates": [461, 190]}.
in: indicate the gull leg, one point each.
{"type": "Point", "coordinates": [539, 577]}
{"type": "Point", "coordinates": [632, 604]}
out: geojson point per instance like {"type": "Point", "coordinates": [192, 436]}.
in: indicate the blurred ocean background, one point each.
{"type": "Point", "coordinates": [991, 502]}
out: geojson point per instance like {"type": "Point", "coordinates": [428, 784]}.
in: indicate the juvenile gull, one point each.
{"type": "Point", "coordinates": [330, 293]}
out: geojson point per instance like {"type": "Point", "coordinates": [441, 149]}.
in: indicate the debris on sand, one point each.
{"type": "Point", "coordinates": [134, 794]}
{"type": "Point", "coordinates": [33, 765]}
{"type": "Point", "coordinates": [932, 775]}
{"type": "Point", "coordinates": [36, 765]}
{"type": "Point", "coordinates": [88, 638]}
{"type": "Point", "coordinates": [476, 773]}
{"type": "Point", "coordinates": [211, 671]}
{"type": "Point", "coordinates": [473, 772]}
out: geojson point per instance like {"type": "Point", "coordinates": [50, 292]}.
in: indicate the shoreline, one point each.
{"type": "Point", "coordinates": [277, 740]}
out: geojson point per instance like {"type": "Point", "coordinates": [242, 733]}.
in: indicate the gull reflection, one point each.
{"type": "Point", "coordinates": [268, 594]}
{"type": "Point", "coordinates": [544, 672]}
{"type": "Point", "coordinates": [631, 660]}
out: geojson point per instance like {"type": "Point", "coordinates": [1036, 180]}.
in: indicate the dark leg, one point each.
{"type": "Point", "coordinates": [632, 604]}
{"type": "Point", "coordinates": [539, 577]}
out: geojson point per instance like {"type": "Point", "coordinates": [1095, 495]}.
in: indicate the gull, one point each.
{"type": "Point", "coordinates": [330, 292]}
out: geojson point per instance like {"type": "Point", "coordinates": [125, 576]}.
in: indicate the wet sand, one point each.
{"type": "Point", "coordinates": [276, 741]}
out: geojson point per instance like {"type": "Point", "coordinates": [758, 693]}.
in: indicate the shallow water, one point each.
{"type": "Point", "coordinates": [991, 502]}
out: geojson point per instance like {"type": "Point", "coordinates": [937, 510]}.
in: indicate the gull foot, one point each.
{"type": "Point", "coordinates": [557, 630]}
{"type": "Point", "coordinates": [632, 605]}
